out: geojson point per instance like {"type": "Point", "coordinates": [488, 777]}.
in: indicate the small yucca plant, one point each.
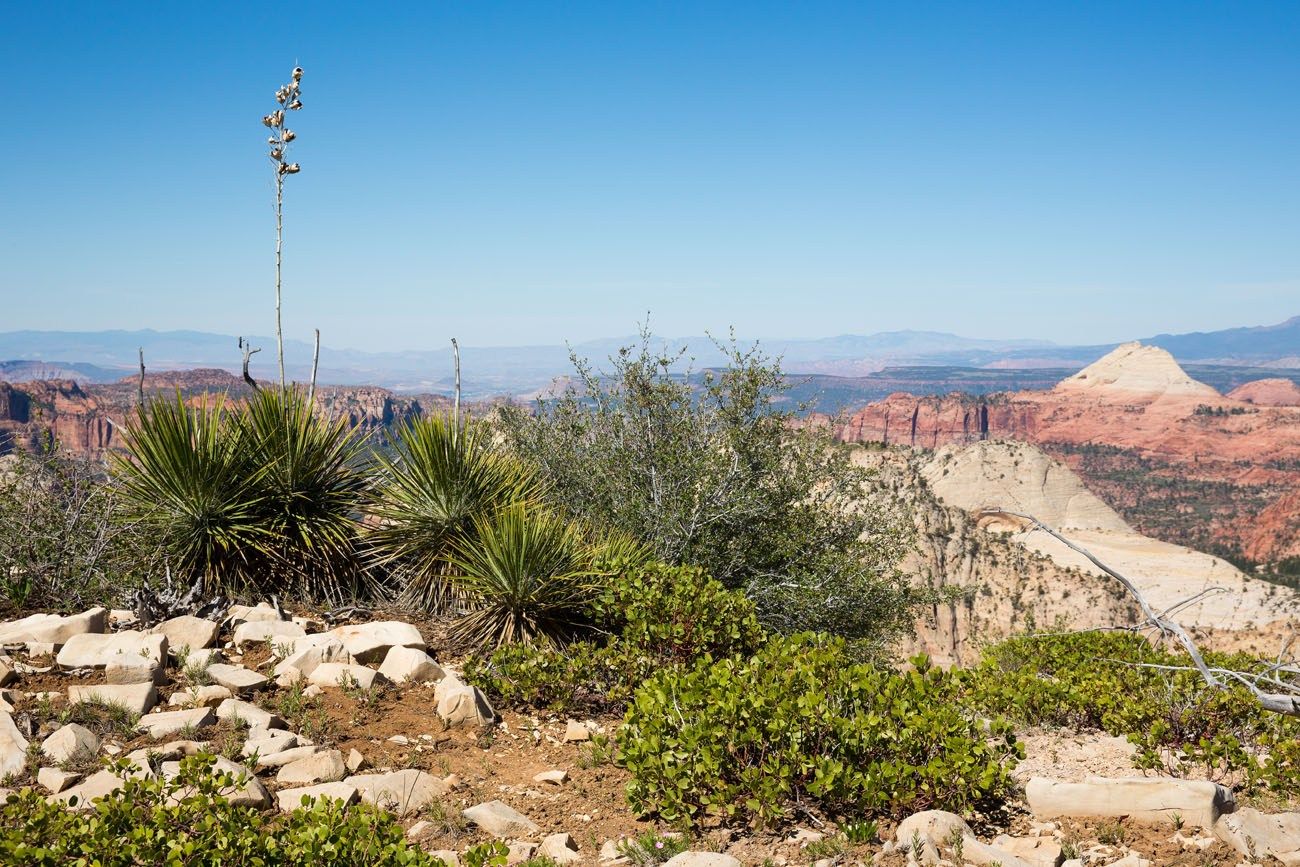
{"type": "Point", "coordinates": [527, 577]}
{"type": "Point", "coordinates": [312, 482]}
{"type": "Point", "coordinates": [189, 483]}
{"type": "Point", "coordinates": [438, 478]}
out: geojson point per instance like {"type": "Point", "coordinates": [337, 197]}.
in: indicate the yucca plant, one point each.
{"type": "Point", "coordinates": [438, 478]}
{"type": "Point", "coordinates": [312, 483]}
{"type": "Point", "coordinates": [526, 576]}
{"type": "Point", "coordinates": [190, 484]}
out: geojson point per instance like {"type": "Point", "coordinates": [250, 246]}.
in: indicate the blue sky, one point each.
{"type": "Point", "coordinates": [535, 172]}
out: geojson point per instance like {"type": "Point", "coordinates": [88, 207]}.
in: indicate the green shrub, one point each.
{"type": "Point", "coordinates": [708, 469]}
{"type": "Point", "coordinates": [61, 545]}
{"type": "Point", "coordinates": [798, 723]}
{"type": "Point", "coordinates": [1180, 725]}
{"type": "Point", "coordinates": [654, 616]}
{"type": "Point", "coordinates": [187, 821]}
{"type": "Point", "coordinates": [437, 480]}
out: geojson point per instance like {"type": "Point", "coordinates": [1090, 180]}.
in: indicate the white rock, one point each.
{"type": "Point", "coordinates": [55, 780]}
{"type": "Point", "coordinates": [1144, 799]}
{"type": "Point", "coordinates": [1035, 851]}
{"type": "Point", "coordinates": [500, 820]}
{"type": "Point", "coordinates": [91, 650]}
{"type": "Point", "coordinates": [137, 698]}
{"type": "Point", "coordinates": [575, 732]}
{"type": "Point", "coordinates": [336, 674]}
{"type": "Point", "coordinates": [260, 612]}
{"type": "Point", "coordinates": [52, 628]}
{"type": "Point", "coordinates": [410, 665]}
{"type": "Point", "coordinates": [199, 696]}
{"type": "Point", "coordinates": [311, 651]}
{"type": "Point", "coordinates": [236, 678]}
{"type": "Point", "coordinates": [195, 633]}
{"type": "Point", "coordinates": [462, 704]}
{"type": "Point", "coordinates": [6, 674]}
{"type": "Point", "coordinates": [403, 792]}
{"type": "Point", "coordinates": [13, 747]}
{"type": "Point", "coordinates": [325, 767]}
{"type": "Point", "coordinates": [161, 725]}
{"type": "Point", "coordinates": [702, 859]}
{"type": "Point", "coordinates": [1277, 834]}
{"type": "Point", "coordinates": [259, 631]}
{"type": "Point", "coordinates": [127, 669]}
{"type": "Point", "coordinates": [270, 742]}
{"type": "Point", "coordinates": [451, 857]}
{"type": "Point", "coordinates": [291, 799]}
{"type": "Point", "coordinates": [555, 778]}
{"type": "Point", "coordinates": [560, 848]}
{"type": "Point", "coordinates": [286, 756]}
{"type": "Point", "coordinates": [369, 642]}
{"type": "Point", "coordinates": [519, 851]}
{"type": "Point", "coordinates": [355, 761]}
{"type": "Point", "coordinates": [94, 787]}
{"type": "Point", "coordinates": [233, 708]}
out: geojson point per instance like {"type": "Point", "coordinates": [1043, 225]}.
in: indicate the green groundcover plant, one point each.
{"type": "Point", "coordinates": [748, 739]}
{"type": "Point", "coordinates": [648, 617]}
{"type": "Point", "coordinates": [187, 821]}
{"type": "Point", "coordinates": [1109, 681]}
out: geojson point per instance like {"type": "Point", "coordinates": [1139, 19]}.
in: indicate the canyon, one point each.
{"type": "Point", "coordinates": [1180, 461]}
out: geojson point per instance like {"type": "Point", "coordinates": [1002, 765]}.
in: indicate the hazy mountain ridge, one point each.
{"type": "Point", "coordinates": [525, 370]}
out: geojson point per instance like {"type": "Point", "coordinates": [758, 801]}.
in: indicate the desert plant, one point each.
{"type": "Point", "coordinates": [188, 481]}
{"type": "Point", "coordinates": [189, 819]}
{"type": "Point", "coordinates": [288, 98]}
{"type": "Point", "coordinates": [264, 497]}
{"type": "Point", "coordinates": [651, 617]}
{"type": "Point", "coordinates": [311, 481]}
{"type": "Point", "coordinates": [436, 480]}
{"type": "Point", "coordinates": [526, 576]}
{"type": "Point", "coordinates": [708, 470]}
{"type": "Point", "coordinates": [61, 543]}
{"type": "Point", "coordinates": [798, 724]}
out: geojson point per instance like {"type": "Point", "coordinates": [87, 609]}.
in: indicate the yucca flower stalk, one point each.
{"type": "Point", "coordinates": [288, 98]}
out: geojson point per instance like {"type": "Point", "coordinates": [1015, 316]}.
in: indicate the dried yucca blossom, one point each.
{"type": "Point", "coordinates": [289, 98]}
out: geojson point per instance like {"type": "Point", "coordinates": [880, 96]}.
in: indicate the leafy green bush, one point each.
{"type": "Point", "coordinates": [797, 723]}
{"type": "Point", "coordinates": [1180, 725]}
{"type": "Point", "coordinates": [187, 820]}
{"type": "Point", "coordinates": [654, 616]}
{"type": "Point", "coordinates": [434, 484]}
{"type": "Point", "coordinates": [264, 498]}
{"type": "Point", "coordinates": [710, 470]}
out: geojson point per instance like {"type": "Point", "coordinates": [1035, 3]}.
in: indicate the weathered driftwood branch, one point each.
{"type": "Point", "coordinates": [249, 352]}
{"type": "Point", "coordinates": [1279, 702]}
{"type": "Point", "coordinates": [140, 387]}
{"type": "Point", "coordinates": [153, 605]}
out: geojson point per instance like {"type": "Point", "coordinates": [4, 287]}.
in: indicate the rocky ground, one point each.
{"type": "Point", "coordinates": [376, 711]}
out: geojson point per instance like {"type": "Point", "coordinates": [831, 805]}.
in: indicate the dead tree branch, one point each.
{"type": "Point", "coordinates": [249, 352]}
{"type": "Point", "coordinates": [140, 387]}
{"type": "Point", "coordinates": [1284, 703]}
{"type": "Point", "coordinates": [315, 363]}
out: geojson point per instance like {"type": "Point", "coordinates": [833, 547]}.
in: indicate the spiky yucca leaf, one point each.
{"type": "Point", "coordinates": [190, 483]}
{"type": "Point", "coordinates": [526, 577]}
{"type": "Point", "coordinates": [433, 486]}
{"type": "Point", "coordinates": [312, 483]}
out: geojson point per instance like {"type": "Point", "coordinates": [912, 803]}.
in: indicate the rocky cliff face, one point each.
{"type": "Point", "coordinates": [85, 419]}
{"type": "Point", "coordinates": [992, 586]}
{"type": "Point", "coordinates": [1178, 460]}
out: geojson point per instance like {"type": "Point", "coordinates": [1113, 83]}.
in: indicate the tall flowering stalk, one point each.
{"type": "Point", "coordinates": [288, 97]}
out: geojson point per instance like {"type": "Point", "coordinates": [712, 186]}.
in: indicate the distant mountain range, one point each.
{"type": "Point", "coordinates": [102, 356]}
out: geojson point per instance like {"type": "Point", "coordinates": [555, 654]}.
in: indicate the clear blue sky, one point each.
{"type": "Point", "coordinates": [533, 172]}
